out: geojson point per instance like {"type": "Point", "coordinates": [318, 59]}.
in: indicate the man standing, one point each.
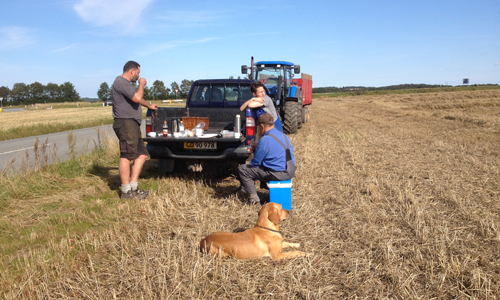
{"type": "Point", "coordinates": [273, 160]}
{"type": "Point", "coordinates": [127, 114]}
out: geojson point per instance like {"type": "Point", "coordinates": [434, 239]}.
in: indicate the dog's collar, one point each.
{"type": "Point", "coordinates": [278, 231]}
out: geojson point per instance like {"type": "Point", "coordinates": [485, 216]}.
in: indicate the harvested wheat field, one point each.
{"type": "Point", "coordinates": [395, 197]}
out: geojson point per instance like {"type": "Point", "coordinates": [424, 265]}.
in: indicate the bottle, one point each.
{"type": "Point", "coordinates": [181, 126]}
{"type": "Point", "coordinates": [165, 129]}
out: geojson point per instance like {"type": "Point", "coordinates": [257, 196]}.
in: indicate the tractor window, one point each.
{"type": "Point", "coordinates": [288, 77]}
{"type": "Point", "coordinates": [269, 75]}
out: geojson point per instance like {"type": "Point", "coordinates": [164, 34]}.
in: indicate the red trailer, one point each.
{"type": "Point", "coordinates": [305, 84]}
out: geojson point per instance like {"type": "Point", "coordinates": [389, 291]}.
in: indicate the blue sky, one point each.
{"type": "Point", "coordinates": [340, 43]}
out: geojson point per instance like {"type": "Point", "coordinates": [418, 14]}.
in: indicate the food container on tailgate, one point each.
{"type": "Point", "coordinates": [191, 122]}
{"type": "Point", "coordinates": [281, 192]}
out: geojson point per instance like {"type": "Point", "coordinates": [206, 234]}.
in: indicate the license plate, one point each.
{"type": "Point", "coordinates": [200, 145]}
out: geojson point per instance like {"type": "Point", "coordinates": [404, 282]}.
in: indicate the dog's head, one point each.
{"type": "Point", "coordinates": [272, 212]}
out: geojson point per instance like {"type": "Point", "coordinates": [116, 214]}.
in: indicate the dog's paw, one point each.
{"type": "Point", "coordinates": [293, 245]}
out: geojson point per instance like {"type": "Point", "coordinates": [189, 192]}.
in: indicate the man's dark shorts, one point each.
{"type": "Point", "coordinates": [128, 132]}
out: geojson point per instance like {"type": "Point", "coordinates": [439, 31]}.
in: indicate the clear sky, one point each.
{"type": "Point", "coordinates": [340, 43]}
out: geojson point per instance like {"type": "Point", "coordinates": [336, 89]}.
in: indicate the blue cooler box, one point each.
{"type": "Point", "coordinates": [281, 192]}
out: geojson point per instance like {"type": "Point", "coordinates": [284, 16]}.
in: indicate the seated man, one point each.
{"type": "Point", "coordinates": [273, 159]}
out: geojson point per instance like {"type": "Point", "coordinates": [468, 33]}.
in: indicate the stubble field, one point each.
{"type": "Point", "coordinates": [395, 197]}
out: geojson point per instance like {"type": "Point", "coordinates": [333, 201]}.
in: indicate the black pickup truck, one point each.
{"type": "Point", "coordinates": [216, 99]}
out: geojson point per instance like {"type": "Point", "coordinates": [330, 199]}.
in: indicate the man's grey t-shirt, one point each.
{"type": "Point", "coordinates": [123, 106]}
{"type": "Point", "coordinates": [269, 107]}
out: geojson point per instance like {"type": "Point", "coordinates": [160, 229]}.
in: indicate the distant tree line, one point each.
{"type": "Point", "coordinates": [36, 92]}
{"type": "Point", "coordinates": [383, 88]}
{"type": "Point", "coordinates": [157, 91]}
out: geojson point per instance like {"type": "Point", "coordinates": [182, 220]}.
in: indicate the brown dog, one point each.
{"type": "Point", "coordinates": [263, 240]}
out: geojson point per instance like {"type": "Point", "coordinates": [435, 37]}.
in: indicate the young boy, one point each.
{"type": "Point", "coordinates": [263, 102]}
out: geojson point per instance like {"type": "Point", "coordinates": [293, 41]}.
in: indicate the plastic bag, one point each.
{"type": "Point", "coordinates": [200, 125]}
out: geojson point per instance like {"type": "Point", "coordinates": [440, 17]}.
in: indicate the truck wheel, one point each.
{"type": "Point", "coordinates": [290, 117]}
{"type": "Point", "coordinates": [300, 110]}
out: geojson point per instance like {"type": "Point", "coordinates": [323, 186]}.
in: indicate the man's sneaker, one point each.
{"type": "Point", "coordinates": [241, 195]}
{"type": "Point", "coordinates": [253, 201]}
{"type": "Point", "coordinates": [134, 194]}
{"type": "Point", "coordinates": [127, 195]}
{"type": "Point", "coordinates": [140, 194]}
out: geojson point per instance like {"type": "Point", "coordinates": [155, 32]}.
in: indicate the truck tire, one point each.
{"type": "Point", "coordinates": [290, 117]}
{"type": "Point", "coordinates": [300, 110]}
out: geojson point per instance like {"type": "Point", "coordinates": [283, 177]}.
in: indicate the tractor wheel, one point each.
{"type": "Point", "coordinates": [300, 110]}
{"type": "Point", "coordinates": [290, 117]}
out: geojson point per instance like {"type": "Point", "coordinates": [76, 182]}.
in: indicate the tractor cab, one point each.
{"type": "Point", "coordinates": [276, 76]}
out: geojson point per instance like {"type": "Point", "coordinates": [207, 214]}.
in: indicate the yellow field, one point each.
{"type": "Point", "coordinates": [44, 116]}
{"type": "Point", "coordinates": [395, 196]}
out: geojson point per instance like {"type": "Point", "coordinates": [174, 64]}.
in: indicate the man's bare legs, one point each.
{"type": "Point", "coordinates": [124, 169]}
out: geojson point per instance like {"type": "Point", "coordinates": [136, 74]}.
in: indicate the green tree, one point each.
{"type": "Point", "coordinates": [68, 93]}
{"type": "Point", "coordinates": [175, 86]}
{"type": "Point", "coordinates": [147, 94]}
{"type": "Point", "coordinates": [185, 87]}
{"type": "Point", "coordinates": [4, 92]}
{"type": "Point", "coordinates": [52, 91]}
{"type": "Point", "coordinates": [104, 92]}
{"type": "Point", "coordinates": [159, 91]}
{"type": "Point", "coordinates": [20, 93]}
{"type": "Point", "coordinates": [36, 92]}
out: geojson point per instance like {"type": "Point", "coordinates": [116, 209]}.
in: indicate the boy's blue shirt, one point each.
{"type": "Point", "coordinates": [270, 154]}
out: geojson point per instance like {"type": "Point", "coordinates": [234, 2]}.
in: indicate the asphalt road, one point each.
{"type": "Point", "coordinates": [18, 153]}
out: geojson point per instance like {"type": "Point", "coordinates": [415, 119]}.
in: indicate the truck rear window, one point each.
{"type": "Point", "coordinates": [220, 94]}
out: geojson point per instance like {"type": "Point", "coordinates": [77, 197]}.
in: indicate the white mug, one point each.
{"type": "Point", "coordinates": [198, 131]}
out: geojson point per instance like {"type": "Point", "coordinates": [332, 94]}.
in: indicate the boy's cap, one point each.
{"type": "Point", "coordinates": [266, 119]}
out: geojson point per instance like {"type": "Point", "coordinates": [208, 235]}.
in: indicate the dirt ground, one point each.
{"type": "Point", "coordinates": [395, 197]}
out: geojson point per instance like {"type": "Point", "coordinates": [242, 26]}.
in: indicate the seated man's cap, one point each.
{"type": "Point", "coordinates": [266, 119]}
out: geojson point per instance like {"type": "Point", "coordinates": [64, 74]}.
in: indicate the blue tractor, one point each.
{"type": "Point", "coordinates": [277, 76]}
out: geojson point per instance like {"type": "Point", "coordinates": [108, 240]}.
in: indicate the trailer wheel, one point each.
{"type": "Point", "coordinates": [290, 117]}
{"type": "Point", "coordinates": [304, 114]}
{"type": "Point", "coordinates": [308, 116]}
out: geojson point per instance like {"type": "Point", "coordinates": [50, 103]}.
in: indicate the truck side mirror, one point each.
{"type": "Point", "coordinates": [244, 69]}
{"type": "Point", "coordinates": [296, 69]}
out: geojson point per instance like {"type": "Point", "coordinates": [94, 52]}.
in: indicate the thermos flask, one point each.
{"type": "Point", "coordinates": [237, 124]}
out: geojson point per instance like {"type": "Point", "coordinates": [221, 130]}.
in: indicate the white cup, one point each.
{"type": "Point", "coordinates": [198, 131]}
{"type": "Point", "coordinates": [152, 134]}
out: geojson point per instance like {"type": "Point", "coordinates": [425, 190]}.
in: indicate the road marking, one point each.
{"type": "Point", "coordinates": [22, 149]}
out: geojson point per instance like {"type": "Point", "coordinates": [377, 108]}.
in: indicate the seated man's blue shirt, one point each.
{"type": "Point", "coordinates": [270, 154]}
